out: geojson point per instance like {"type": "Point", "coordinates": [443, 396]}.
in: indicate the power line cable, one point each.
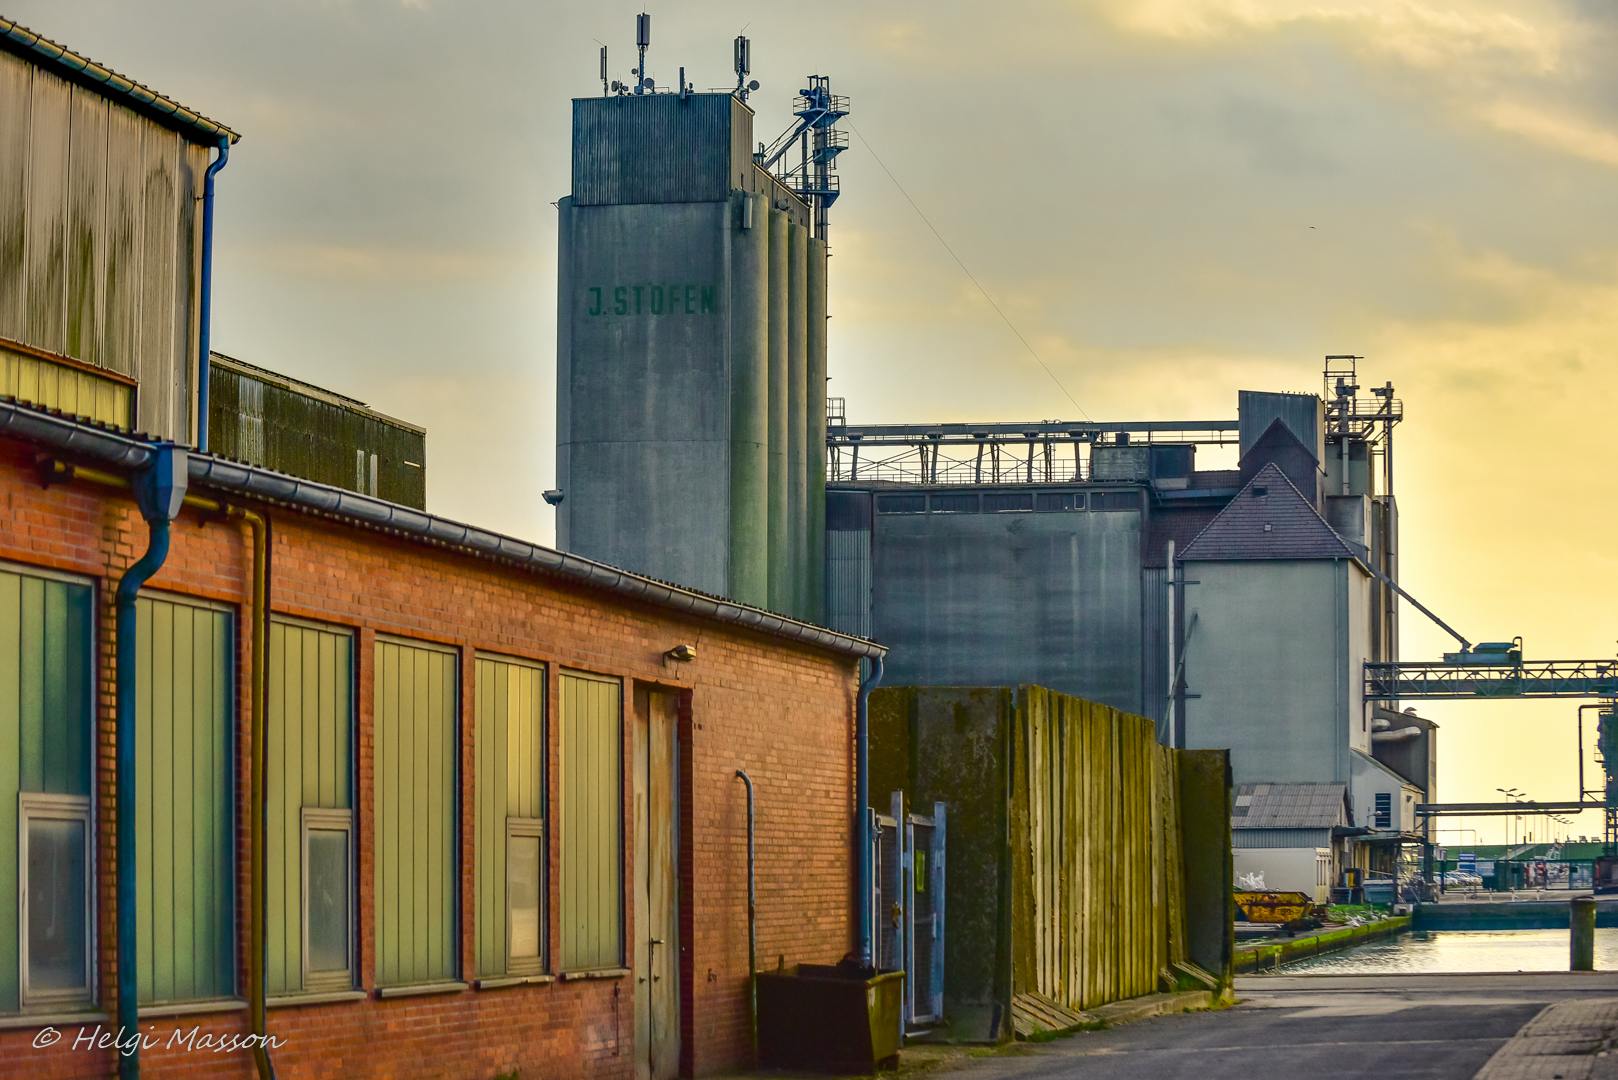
{"type": "Point", "coordinates": [968, 273]}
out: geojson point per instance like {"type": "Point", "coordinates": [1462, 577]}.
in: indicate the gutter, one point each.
{"type": "Point", "coordinates": [46, 53]}
{"type": "Point", "coordinates": [86, 440]}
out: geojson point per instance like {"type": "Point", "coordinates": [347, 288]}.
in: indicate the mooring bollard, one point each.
{"type": "Point", "coordinates": [1582, 936]}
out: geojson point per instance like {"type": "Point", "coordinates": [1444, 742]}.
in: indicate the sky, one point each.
{"type": "Point", "coordinates": [1171, 200]}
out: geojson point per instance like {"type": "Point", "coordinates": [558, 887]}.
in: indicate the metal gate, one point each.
{"type": "Point", "coordinates": [924, 943]}
{"type": "Point", "coordinates": [907, 905]}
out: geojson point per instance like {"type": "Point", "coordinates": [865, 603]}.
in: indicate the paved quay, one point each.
{"type": "Point", "coordinates": [1422, 1027]}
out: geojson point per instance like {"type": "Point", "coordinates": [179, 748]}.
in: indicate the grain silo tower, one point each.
{"type": "Point", "coordinates": [691, 343]}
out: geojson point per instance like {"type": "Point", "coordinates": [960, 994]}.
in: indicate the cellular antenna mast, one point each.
{"type": "Point", "coordinates": [643, 39]}
{"type": "Point", "coordinates": [603, 71]}
{"type": "Point", "coordinates": [744, 67]}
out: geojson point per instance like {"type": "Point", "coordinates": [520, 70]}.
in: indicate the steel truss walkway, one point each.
{"type": "Point", "coordinates": [1529, 679]}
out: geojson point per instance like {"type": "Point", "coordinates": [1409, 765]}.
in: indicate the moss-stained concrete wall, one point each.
{"type": "Point", "coordinates": [1066, 871]}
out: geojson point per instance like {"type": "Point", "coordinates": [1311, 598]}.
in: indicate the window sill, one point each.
{"type": "Point", "coordinates": [602, 973]}
{"type": "Point", "coordinates": [502, 981]}
{"type": "Point", "coordinates": [184, 1008]}
{"type": "Point", "coordinates": [424, 988]}
{"type": "Point", "coordinates": [28, 1020]}
{"type": "Point", "coordinates": [318, 997]}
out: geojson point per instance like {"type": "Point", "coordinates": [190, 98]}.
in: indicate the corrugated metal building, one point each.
{"type": "Point", "coordinates": [100, 239]}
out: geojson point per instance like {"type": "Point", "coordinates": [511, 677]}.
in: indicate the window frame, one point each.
{"type": "Point", "coordinates": [529, 827]}
{"type": "Point", "coordinates": [324, 819]}
{"type": "Point", "coordinates": [33, 805]}
{"type": "Point", "coordinates": [619, 811]}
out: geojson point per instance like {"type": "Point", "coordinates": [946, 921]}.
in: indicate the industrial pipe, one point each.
{"type": "Point", "coordinates": [258, 784]}
{"type": "Point", "coordinates": [258, 950]}
{"type": "Point", "coordinates": [205, 320]}
{"type": "Point", "coordinates": [159, 493]}
{"type": "Point", "coordinates": [862, 816]}
{"type": "Point", "coordinates": [752, 918]}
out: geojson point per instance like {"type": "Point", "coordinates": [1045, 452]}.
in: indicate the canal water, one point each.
{"type": "Point", "coordinates": [1433, 951]}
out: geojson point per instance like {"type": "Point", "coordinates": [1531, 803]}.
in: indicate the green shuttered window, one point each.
{"type": "Point", "coordinates": [415, 704]}
{"type": "Point", "coordinates": [183, 815]}
{"type": "Point", "coordinates": [509, 772]}
{"type": "Point", "coordinates": [47, 696]}
{"type": "Point", "coordinates": [308, 850]}
{"type": "Point", "coordinates": [592, 822]}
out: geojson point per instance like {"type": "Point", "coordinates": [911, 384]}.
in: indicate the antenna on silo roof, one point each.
{"type": "Point", "coordinates": [643, 39]}
{"type": "Point", "coordinates": [603, 71]}
{"type": "Point", "coordinates": [744, 67]}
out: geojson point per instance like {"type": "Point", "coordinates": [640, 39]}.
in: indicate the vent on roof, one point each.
{"type": "Point", "coordinates": [1259, 491]}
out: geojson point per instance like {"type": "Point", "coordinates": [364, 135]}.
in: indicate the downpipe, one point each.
{"type": "Point", "coordinates": [862, 815]}
{"type": "Point", "coordinates": [752, 917]}
{"type": "Point", "coordinates": [159, 493]}
{"type": "Point", "coordinates": [258, 783]}
{"type": "Point", "coordinates": [205, 316]}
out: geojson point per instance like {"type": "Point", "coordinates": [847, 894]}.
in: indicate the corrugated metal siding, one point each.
{"type": "Point", "coordinates": [99, 245]}
{"type": "Point", "coordinates": [72, 390]}
{"type": "Point", "coordinates": [46, 705]}
{"type": "Point", "coordinates": [1280, 838]}
{"type": "Point", "coordinates": [654, 149]}
{"type": "Point", "coordinates": [415, 695]}
{"type": "Point", "coordinates": [308, 760]}
{"type": "Point", "coordinates": [592, 825]}
{"type": "Point", "coordinates": [264, 424]}
{"type": "Point", "coordinates": [509, 776]}
{"type": "Point", "coordinates": [183, 845]}
{"type": "Point", "coordinates": [848, 582]}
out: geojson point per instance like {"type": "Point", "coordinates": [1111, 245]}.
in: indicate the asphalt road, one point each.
{"type": "Point", "coordinates": [1431, 1027]}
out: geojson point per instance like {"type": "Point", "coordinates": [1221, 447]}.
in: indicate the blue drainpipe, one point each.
{"type": "Point", "coordinates": [159, 492]}
{"type": "Point", "coordinates": [204, 334]}
{"type": "Point", "coordinates": [862, 800]}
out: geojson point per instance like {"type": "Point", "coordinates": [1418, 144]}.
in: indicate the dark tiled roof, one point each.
{"type": "Point", "coordinates": [1268, 520]}
{"type": "Point", "coordinates": [1289, 806]}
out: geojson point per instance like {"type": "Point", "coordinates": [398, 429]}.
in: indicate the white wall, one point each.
{"type": "Point", "coordinates": [1306, 870]}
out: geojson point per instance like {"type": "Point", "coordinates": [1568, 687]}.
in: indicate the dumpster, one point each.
{"type": "Point", "coordinates": [835, 1019]}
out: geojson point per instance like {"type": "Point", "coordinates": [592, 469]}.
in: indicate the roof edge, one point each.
{"type": "Point", "coordinates": [88, 440]}
{"type": "Point", "coordinates": [18, 39]}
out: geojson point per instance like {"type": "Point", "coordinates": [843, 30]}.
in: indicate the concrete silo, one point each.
{"type": "Point", "coordinates": [691, 353]}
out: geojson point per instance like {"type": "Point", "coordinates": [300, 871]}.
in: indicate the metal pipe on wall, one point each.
{"type": "Point", "coordinates": [752, 917]}
{"type": "Point", "coordinates": [136, 576]}
{"type": "Point", "coordinates": [159, 493]}
{"type": "Point", "coordinates": [780, 599]}
{"type": "Point", "coordinates": [205, 314]}
{"type": "Point", "coordinates": [798, 418]}
{"type": "Point", "coordinates": [749, 571]}
{"type": "Point", "coordinates": [815, 610]}
{"type": "Point", "coordinates": [862, 814]}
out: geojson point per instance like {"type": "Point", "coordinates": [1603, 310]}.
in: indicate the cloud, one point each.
{"type": "Point", "coordinates": [1568, 134]}
{"type": "Point", "coordinates": [377, 265]}
{"type": "Point", "coordinates": [1531, 34]}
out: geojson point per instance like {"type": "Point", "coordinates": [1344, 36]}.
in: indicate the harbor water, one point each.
{"type": "Point", "coordinates": [1429, 952]}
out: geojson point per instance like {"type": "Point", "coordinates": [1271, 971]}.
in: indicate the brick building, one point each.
{"type": "Point", "coordinates": [485, 744]}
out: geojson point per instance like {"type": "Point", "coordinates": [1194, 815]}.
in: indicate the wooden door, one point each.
{"type": "Point", "coordinates": [657, 985]}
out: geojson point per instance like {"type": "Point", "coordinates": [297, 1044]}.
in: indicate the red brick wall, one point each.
{"type": "Point", "coordinates": [783, 712]}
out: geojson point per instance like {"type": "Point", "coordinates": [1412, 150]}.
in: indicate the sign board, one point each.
{"type": "Point", "coordinates": [1485, 868]}
{"type": "Point", "coordinates": [1467, 861]}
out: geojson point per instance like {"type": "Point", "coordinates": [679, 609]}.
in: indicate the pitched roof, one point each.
{"type": "Point", "coordinates": [1270, 519]}
{"type": "Point", "coordinates": [18, 39]}
{"type": "Point", "coordinates": [1290, 806]}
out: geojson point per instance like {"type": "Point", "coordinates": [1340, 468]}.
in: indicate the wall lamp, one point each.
{"type": "Point", "coordinates": [683, 654]}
